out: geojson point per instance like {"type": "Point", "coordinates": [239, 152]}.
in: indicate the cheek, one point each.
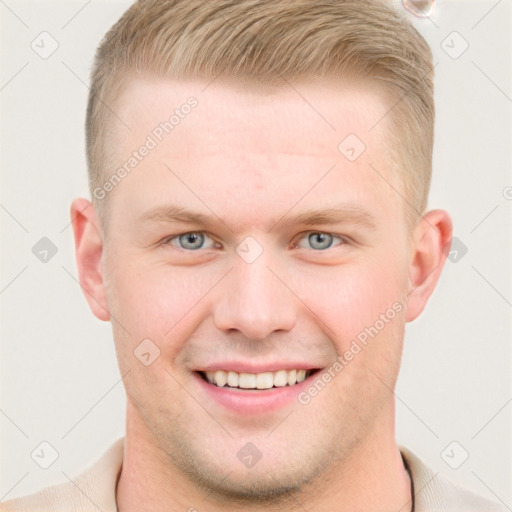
{"type": "Point", "coordinates": [157, 302]}
{"type": "Point", "coordinates": [363, 307]}
{"type": "Point", "coordinates": [350, 297]}
{"type": "Point", "coordinates": [163, 305]}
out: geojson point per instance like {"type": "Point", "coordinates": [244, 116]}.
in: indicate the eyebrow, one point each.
{"type": "Point", "coordinates": [335, 215]}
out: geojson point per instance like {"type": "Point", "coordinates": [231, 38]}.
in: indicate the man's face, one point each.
{"type": "Point", "coordinates": [252, 289]}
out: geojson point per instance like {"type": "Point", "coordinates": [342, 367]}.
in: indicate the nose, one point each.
{"type": "Point", "coordinates": [255, 300]}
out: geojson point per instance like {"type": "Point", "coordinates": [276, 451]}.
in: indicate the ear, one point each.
{"type": "Point", "coordinates": [88, 253]}
{"type": "Point", "coordinates": [430, 246]}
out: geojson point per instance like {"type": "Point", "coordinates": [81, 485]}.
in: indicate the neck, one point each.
{"type": "Point", "coordinates": [372, 477]}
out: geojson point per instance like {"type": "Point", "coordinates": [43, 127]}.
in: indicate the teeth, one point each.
{"type": "Point", "coordinates": [232, 379]}
{"type": "Point", "coordinates": [265, 380]}
{"type": "Point", "coordinates": [221, 378]}
{"type": "Point", "coordinates": [245, 380]}
{"type": "Point", "coordinates": [280, 378]}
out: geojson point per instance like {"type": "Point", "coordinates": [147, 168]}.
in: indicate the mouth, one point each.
{"type": "Point", "coordinates": [252, 395]}
{"type": "Point", "coordinates": [228, 379]}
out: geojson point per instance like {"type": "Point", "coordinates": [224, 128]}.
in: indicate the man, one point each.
{"type": "Point", "coordinates": [258, 237]}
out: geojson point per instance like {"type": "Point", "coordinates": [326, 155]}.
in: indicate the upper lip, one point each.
{"type": "Point", "coordinates": [251, 367]}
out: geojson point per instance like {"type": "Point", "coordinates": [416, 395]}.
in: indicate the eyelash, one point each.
{"type": "Point", "coordinates": [168, 240]}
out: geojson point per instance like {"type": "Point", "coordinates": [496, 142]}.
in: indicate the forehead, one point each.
{"type": "Point", "coordinates": [325, 106]}
{"type": "Point", "coordinates": [242, 148]}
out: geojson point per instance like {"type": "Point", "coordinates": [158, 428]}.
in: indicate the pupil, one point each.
{"type": "Point", "coordinates": [320, 238]}
{"type": "Point", "coordinates": [191, 240]}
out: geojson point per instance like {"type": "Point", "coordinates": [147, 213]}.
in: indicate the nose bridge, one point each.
{"type": "Point", "coordinates": [252, 299]}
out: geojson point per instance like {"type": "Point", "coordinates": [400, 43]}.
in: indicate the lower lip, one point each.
{"type": "Point", "coordinates": [247, 402]}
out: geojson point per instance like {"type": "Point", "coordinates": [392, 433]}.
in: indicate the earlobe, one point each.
{"type": "Point", "coordinates": [88, 254]}
{"type": "Point", "coordinates": [429, 248]}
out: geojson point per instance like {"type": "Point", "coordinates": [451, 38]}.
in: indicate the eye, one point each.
{"type": "Point", "coordinates": [321, 241]}
{"type": "Point", "coordinates": [194, 240]}
{"type": "Point", "coordinates": [189, 241]}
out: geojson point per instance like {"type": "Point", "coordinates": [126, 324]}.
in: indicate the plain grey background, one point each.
{"type": "Point", "coordinates": [59, 381]}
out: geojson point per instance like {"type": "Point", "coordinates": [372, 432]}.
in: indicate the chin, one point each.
{"type": "Point", "coordinates": [267, 486]}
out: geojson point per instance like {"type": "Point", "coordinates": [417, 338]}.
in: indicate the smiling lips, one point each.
{"type": "Point", "coordinates": [264, 380]}
{"type": "Point", "coordinates": [248, 389]}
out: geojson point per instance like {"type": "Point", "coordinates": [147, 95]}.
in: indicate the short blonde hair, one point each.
{"type": "Point", "coordinates": [264, 41]}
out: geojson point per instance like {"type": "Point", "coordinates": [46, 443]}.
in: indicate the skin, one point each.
{"type": "Point", "coordinates": [256, 157]}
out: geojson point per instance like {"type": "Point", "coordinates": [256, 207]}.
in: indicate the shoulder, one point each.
{"type": "Point", "coordinates": [435, 493]}
{"type": "Point", "coordinates": [94, 489]}
{"type": "Point", "coordinates": [55, 498]}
